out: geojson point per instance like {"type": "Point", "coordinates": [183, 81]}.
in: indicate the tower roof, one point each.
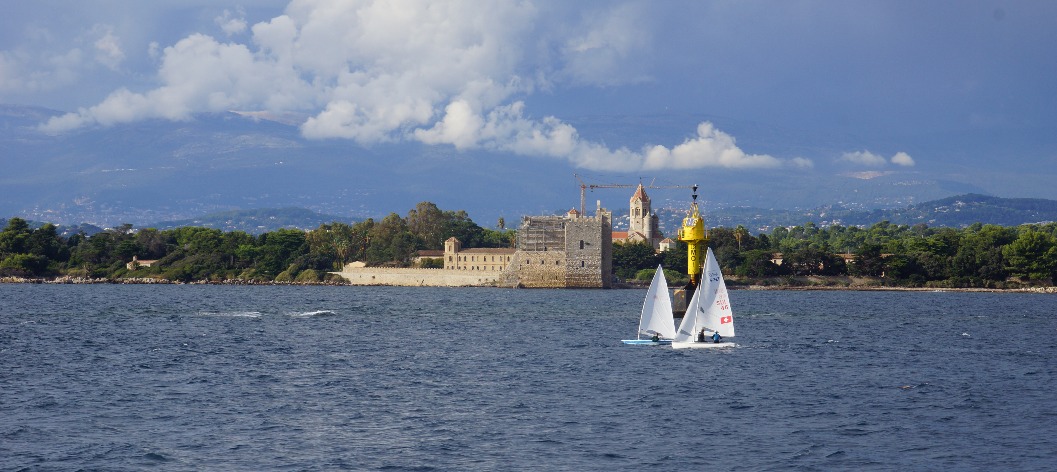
{"type": "Point", "coordinates": [640, 194]}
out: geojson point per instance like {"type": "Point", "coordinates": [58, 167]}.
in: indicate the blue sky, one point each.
{"type": "Point", "coordinates": [511, 76]}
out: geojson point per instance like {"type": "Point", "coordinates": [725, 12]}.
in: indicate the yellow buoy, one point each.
{"type": "Point", "coordinates": [693, 234]}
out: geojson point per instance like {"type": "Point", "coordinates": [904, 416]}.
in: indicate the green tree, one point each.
{"type": "Point", "coordinates": [460, 226]}
{"type": "Point", "coordinates": [24, 265]}
{"type": "Point", "coordinates": [814, 261]}
{"type": "Point", "coordinates": [278, 249]}
{"type": "Point", "coordinates": [1033, 255]}
{"type": "Point", "coordinates": [869, 261]}
{"type": "Point", "coordinates": [757, 263]}
{"type": "Point", "coordinates": [14, 237]}
{"type": "Point", "coordinates": [428, 224]}
{"type": "Point", "coordinates": [630, 258]}
{"type": "Point", "coordinates": [390, 241]}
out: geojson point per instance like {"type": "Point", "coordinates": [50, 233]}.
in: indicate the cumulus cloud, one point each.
{"type": "Point", "coordinates": [902, 159]}
{"type": "Point", "coordinates": [453, 73]}
{"type": "Point", "coordinates": [869, 159]}
{"type": "Point", "coordinates": [710, 148]}
{"type": "Point", "coordinates": [865, 158]}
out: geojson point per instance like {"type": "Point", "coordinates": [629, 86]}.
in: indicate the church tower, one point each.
{"type": "Point", "coordinates": [643, 225]}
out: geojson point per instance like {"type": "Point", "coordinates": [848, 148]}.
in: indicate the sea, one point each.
{"type": "Point", "coordinates": [306, 378]}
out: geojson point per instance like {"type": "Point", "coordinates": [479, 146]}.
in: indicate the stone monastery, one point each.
{"type": "Point", "coordinates": [567, 251]}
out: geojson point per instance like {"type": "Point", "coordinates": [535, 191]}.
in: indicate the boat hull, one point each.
{"type": "Point", "coordinates": [700, 345]}
{"type": "Point", "coordinates": [646, 342]}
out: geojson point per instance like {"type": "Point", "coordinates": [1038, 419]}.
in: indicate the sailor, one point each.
{"type": "Point", "coordinates": [716, 337]}
{"type": "Point", "coordinates": [701, 336]}
{"type": "Point", "coordinates": [656, 337]}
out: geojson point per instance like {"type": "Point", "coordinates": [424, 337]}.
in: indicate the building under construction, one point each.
{"type": "Point", "coordinates": [570, 251]}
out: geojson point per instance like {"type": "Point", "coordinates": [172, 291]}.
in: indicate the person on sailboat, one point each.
{"type": "Point", "coordinates": [656, 337]}
{"type": "Point", "coordinates": [701, 336]}
{"type": "Point", "coordinates": [716, 337]}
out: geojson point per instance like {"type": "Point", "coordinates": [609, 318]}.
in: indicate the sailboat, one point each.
{"type": "Point", "coordinates": [708, 312]}
{"type": "Point", "coordinates": [656, 319]}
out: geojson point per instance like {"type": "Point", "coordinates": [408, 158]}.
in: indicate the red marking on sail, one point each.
{"type": "Point", "coordinates": [726, 319]}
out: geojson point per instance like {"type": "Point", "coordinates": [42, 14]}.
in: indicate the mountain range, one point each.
{"type": "Point", "coordinates": [157, 171]}
{"type": "Point", "coordinates": [957, 212]}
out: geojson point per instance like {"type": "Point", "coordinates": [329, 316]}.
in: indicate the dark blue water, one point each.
{"type": "Point", "coordinates": [324, 378]}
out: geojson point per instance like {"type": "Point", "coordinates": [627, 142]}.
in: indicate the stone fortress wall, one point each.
{"type": "Point", "coordinates": [411, 277]}
{"type": "Point", "coordinates": [570, 251]}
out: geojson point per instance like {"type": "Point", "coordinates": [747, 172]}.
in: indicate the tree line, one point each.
{"type": "Point", "coordinates": [985, 256]}
{"type": "Point", "coordinates": [903, 255]}
{"type": "Point", "coordinates": [196, 253]}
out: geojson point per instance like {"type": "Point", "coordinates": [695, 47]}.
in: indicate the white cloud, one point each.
{"type": "Point", "coordinates": [711, 148]}
{"type": "Point", "coordinates": [108, 47]}
{"type": "Point", "coordinates": [903, 159]}
{"type": "Point", "coordinates": [22, 71]}
{"type": "Point", "coordinates": [449, 73]}
{"type": "Point", "coordinates": [869, 159]}
{"type": "Point", "coordinates": [231, 24]}
{"type": "Point", "coordinates": [865, 158]}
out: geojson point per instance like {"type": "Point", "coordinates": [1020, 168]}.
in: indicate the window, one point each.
{"type": "Point", "coordinates": [581, 263]}
{"type": "Point", "coordinates": [581, 244]}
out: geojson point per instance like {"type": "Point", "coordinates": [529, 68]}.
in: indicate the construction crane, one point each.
{"type": "Point", "coordinates": [584, 187]}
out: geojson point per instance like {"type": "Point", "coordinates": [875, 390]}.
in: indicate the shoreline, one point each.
{"type": "Point", "coordinates": [67, 280]}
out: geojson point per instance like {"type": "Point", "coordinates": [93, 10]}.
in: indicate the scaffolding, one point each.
{"type": "Point", "coordinates": [542, 233]}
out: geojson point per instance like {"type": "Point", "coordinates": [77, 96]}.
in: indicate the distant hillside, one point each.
{"type": "Point", "coordinates": [258, 221]}
{"type": "Point", "coordinates": [964, 210]}
{"type": "Point", "coordinates": [956, 212]}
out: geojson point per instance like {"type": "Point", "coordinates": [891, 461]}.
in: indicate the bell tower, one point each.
{"type": "Point", "coordinates": [641, 214]}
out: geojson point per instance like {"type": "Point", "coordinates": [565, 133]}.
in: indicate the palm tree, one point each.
{"type": "Point", "coordinates": [739, 233]}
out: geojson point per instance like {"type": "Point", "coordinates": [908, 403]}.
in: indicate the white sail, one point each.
{"type": "Point", "coordinates": [688, 327]}
{"type": "Point", "coordinates": [656, 315]}
{"type": "Point", "coordinates": [716, 314]}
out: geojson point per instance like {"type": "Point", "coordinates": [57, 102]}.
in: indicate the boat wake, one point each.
{"type": "Point", "coordinates": [232, 314]}
{"type": "Point", "coordinates": [309, 314]}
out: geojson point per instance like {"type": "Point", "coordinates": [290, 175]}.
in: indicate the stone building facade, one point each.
{"type": "Point", "coordinates": [476, 259]}
{"type": "Point", "coordinates": [570, 251]}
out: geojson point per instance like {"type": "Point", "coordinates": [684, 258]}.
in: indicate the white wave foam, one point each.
{"type": "Point", "coordinates": [306, 314]}
{"type": "Point", "coordinates": [234, 314]}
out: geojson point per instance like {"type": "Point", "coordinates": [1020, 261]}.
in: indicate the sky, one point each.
{"type": "Point", "coordinates": [511, 76]}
